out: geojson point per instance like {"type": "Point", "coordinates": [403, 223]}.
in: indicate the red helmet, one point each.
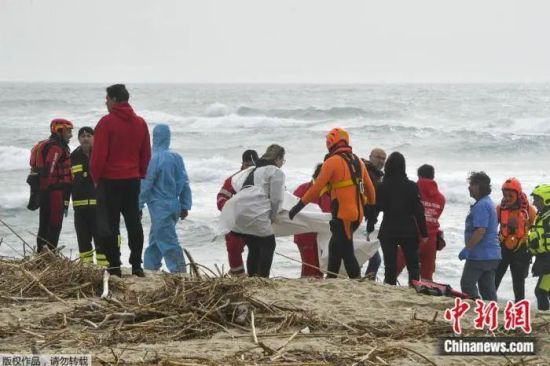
{"type": "Point", "coordinates": [60, 123]}
{"type": "Point", "coordinates": [335, 136]}
{"type": "Point", "coordinates": [512, 184]}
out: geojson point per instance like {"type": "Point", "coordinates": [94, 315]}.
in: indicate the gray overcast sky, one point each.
{"type": "Point", "coordinates": [317, 41]}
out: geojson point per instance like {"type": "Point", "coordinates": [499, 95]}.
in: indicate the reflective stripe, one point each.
{"type": "Point", "coordinates": [239, 269]}
{"type": "Point", "coordinates": [337, 185]}
{"type": "Point", "coordinates": [545, 283]}
{"type": "Point", "coordinates": [66, 203]}
{"type": "Point", "coordinates": [119, 240]}
{"type": "Point", "coordinates": [100, 256]}
{"type": "Point", "coordinates": [87, 254]}
{"type": "Point", "coordinates": [87, 257]}
{"type": "Point", "coordinates": [539, 238]}
{"type": "Point", "coordinates": [76, 168]}
{"type": "Point", "coordinates": [103, 263]}
{"type": "Point", "coordinates": [79, 203]}
{"type": "Point", "coordinates": [225, 192]}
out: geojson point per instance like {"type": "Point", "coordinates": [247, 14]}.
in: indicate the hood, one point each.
{"type": "Point", "coordinates": [123, 111]}
{"type": "Point", "coordinates": [371, 168]}
{"type": "Point", "coordinates": [427, 187]}
{"type": "Point", "coordinates": [161, 137]}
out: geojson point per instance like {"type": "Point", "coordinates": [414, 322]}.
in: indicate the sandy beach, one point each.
{"type": "Point", "coordinates": [170, 320]}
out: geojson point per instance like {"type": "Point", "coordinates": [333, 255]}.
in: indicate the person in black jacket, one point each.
{"type": "Point", "coordinates": [84, 199]}
{"type": "Point", "coordinates": [399, 199]}
{"type": "Point", "coordinates": [374, 165]}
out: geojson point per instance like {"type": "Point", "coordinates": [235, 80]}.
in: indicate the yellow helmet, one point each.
{"type": "Point", "coordinates": [542, 191]}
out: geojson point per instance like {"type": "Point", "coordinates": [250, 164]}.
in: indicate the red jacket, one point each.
{"type": "Point", "coordinates": [433, 202]}
{"type": "Point", "coordinates": [122, 147]}
{"type": "Point", "coordinates": [323, 202]}
{"type": "Point", "coordinates": [225, 193]}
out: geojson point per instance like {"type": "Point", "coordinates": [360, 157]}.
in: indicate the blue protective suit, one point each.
{"type": "Point", "coordinates": [166, 192]}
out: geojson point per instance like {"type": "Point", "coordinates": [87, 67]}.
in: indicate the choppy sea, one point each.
{"type": "Point", "coordinates": [503, 129]}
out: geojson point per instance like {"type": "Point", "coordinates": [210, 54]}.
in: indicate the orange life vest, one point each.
{"type": "Point", "coordinates": [514, 225]}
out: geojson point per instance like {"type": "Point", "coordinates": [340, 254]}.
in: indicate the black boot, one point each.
{"type": "Point", "coordinates": [115, 272]}
{"type": "Point", "coordinates": [138, 271]}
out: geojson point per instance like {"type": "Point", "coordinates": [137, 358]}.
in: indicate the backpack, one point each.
{"type": "Point", "coordinates": [38, 152]}
{"type": "Point", "coordinates": [37, 163]}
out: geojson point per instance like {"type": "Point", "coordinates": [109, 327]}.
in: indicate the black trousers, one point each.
{"type": "Point", "coordinates": [519, 262]}
{"type": "Point", "coordinates": [115, 197]}
{"type": "Point", "coordinates": [85, 224]}
{"type": "Point", "coordinates": [50, 218]}
{"type": "Point", "coordinates": [260, 255]}
{"type": "Point", "coordinates": [410, 250]}
{"type": "Point", "coordinates": [341, 248]}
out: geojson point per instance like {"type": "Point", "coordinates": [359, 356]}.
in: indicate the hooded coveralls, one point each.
{"type": "Point", "coordinates": [166, 191]}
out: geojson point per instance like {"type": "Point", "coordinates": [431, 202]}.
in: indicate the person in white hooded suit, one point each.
{"type": "Point", "coordinates": [253, 210]}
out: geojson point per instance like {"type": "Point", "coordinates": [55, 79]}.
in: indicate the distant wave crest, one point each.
{"type": "Point", "coordinates": [312, 113]}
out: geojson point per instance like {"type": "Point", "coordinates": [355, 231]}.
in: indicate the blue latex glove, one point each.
{"type": "Point", "coordinates": [464, 254]}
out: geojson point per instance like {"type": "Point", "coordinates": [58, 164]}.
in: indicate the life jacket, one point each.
{"type": "Point", "coordinates": [514, 236]}
{"type": "Point", "coordinates": [539, 234]}
{"type": "Point", "coordinates": [55, 174]}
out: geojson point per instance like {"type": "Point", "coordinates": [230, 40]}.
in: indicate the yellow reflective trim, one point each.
{"type": "Point", "coordinates": [545, 283]}
{"type": "Point", "coordinates": [76, 168]}
{"type": "Point", "coordinates": [337, 185]}
{"type": "Point", "coordinates": [86, 254]}
{"type": "Point", "coordinates": [103, 264]}
{"type": "Point", "coordinates": [100, 256]}
{"type": "Point", "coordinates": [119, 240]}
{"type": "Point", "coordinates": [79, 203]}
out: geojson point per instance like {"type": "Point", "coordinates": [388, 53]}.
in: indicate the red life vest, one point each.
{"type": "Point", "coordinates": [55, 170]}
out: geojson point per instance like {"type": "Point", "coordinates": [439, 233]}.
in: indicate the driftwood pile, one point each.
{"type": "Point", "coordinates": [183, 308]}
{"type": "Point", "coordinates": [49, 276]}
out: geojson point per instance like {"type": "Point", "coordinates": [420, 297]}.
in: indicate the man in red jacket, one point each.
{"type": "Point", "coordinates": [434, 203]}
{"type": "Point", "coordinates": [307, 243]}
{"type": "Point", "coordinates": [235, 244]}
{"type": "Point", "coordinates": [120, 157]}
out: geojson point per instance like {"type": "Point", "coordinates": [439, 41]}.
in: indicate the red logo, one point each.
{"type": "Point", "coordinates": [516, 315]}
{"type": "Point", "coordinates": [454, 314]}
{"type": "Point", "coordinates": [486, 315]}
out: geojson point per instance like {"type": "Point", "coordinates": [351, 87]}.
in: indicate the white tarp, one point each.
{"type": "Point", "coordinates": [311, 219]}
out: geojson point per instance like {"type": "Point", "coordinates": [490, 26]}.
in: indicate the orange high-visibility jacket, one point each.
{"type": "Point", "coordinates": [334, 173]}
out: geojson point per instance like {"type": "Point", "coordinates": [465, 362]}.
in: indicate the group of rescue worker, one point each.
{"type": "Point", "coordinates": [351, 189]}
{"type": "Point", "coordinates": [113, 173]}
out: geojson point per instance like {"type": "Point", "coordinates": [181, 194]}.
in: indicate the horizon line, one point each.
{"type": "Point", "coordinates": [278, 83]}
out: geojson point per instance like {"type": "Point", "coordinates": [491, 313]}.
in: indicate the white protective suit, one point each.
{"type": "Point", "coordinates": [249, 212]}
{"type": "Point", "coordinates": [253, 209]}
